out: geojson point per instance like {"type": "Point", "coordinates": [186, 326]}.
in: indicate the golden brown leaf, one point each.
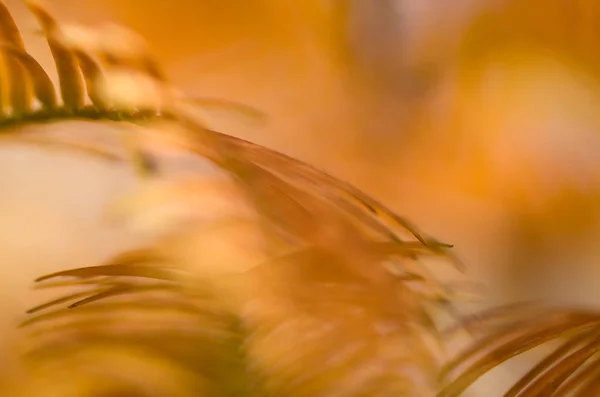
{"type": "Point", "coordinates": [93, 78]}
{"type": "Point", "coordinates": [19, 94]}
{"type": "Point", "coordinates": [42, 85]}
{"type": "Point", "coordinates": [69, 74]}
{"type": "Point", "coordinates": [558, 374]}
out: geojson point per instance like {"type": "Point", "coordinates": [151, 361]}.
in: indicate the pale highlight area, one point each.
{"type": "Point", "coordinates": [52, 218]}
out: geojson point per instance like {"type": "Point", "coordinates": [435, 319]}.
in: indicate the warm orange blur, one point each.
{"type": "Point", "coordinates": [487, 140]}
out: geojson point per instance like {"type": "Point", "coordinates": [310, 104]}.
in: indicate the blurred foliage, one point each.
{"type": "Point", "coordinates": [528, 107]}
{"type": "Point", "coordinates": [273, 279]}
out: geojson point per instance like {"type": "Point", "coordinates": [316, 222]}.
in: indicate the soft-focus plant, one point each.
{"type": "Point", "coordinates": [267, 277]}
{"type": "Point", "coordinates": [570, 337]}
{"type": "Point", "coordinates": [529, 71]}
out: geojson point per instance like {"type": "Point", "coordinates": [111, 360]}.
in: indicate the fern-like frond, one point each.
{"type": "Point", "coordinates": [301, 324]}
{"type": "Point", "coordinates": [325, 307]}
{"type": "Point", "coordinates": [260, 170]}
{"type": "Point", "coordinates": [571, 369]}
{"type": "Point", "coordinates": [137, 302]}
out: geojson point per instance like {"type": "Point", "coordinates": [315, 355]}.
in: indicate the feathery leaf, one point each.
{"type": "Point", "coordinates": [69, 75]}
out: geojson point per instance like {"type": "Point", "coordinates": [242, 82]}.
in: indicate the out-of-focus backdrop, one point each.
{"type": "Point", "coordinates": [477, 120]}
